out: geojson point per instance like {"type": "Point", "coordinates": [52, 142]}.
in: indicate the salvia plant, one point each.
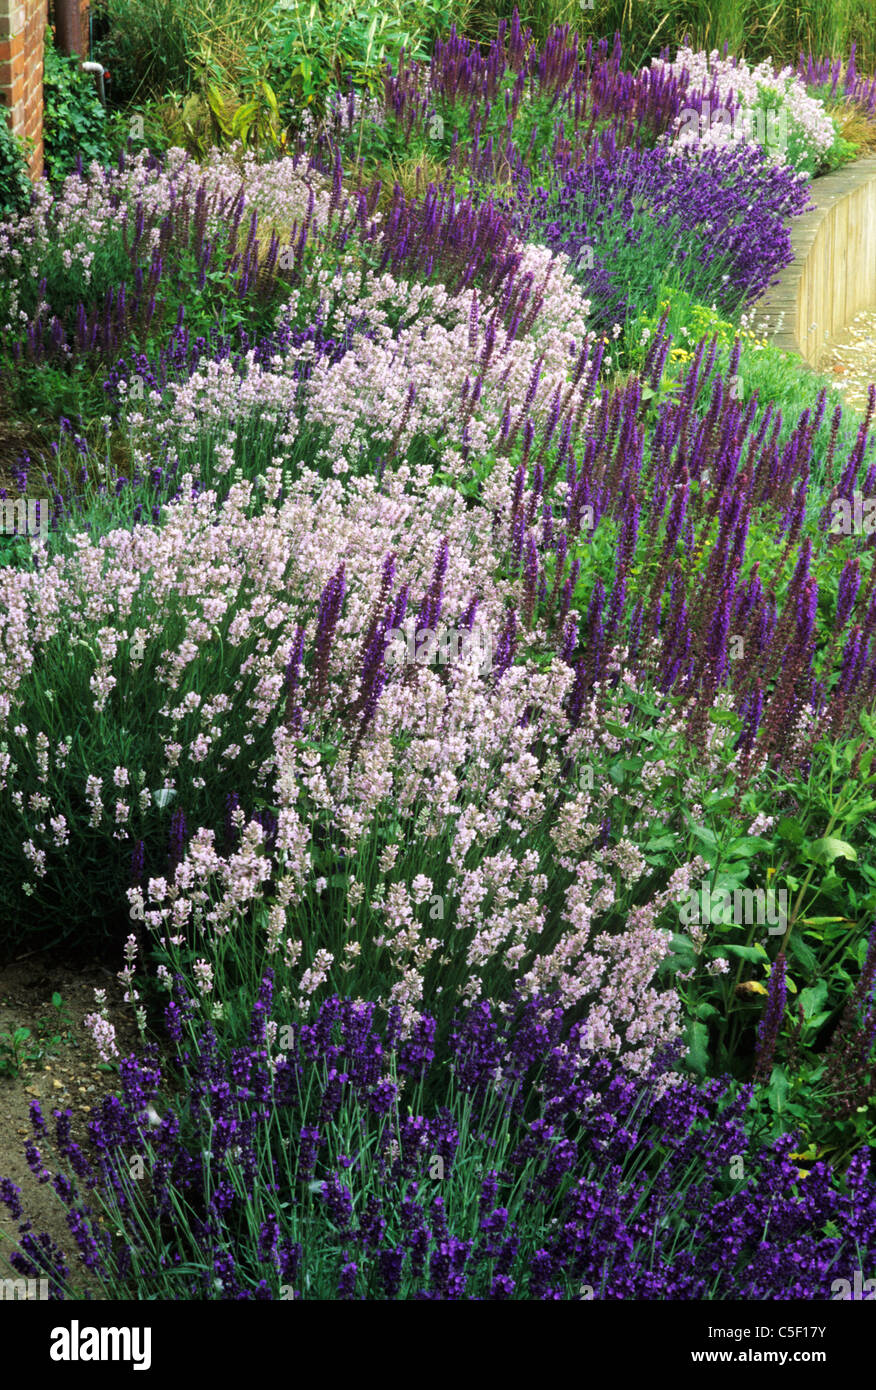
{"type": "Point", "coordinates": [429, 587]}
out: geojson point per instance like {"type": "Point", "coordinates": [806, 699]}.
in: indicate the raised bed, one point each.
{"type": "Point", "coordinates": [833, 275]}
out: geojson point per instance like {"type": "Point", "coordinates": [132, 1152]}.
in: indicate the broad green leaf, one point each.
{"type": "Point", "coordinates": [662, 842]}
{"type": "Point", "coordinates": [747, 846]}
{"type": "Point", "coordinates": [682, 945]}
{"type": "Point", "coordinates": [868, 724]}
{"type": "Point", "coordinates": [700, 832]}
{"type": "Point", "coordinates": [813, 998]}
{"type": "Point", "coordinates": [818, 1019]}
{"type": "Point", "coordinates": [829, 848]}
{"type": "Point", "coordinates": [751, 953]}
{"type": "Point", "coordinates": [802, 951]}
{"type": "Point", "coordinates": [698, 1047]}
{"type": "Point", "coordinates": [778, 1089]}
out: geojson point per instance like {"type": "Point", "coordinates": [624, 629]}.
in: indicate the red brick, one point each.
{"type": "Point", "coordinates": [21, 70]}
{"type": "Point", "coordinates": [11, 48]}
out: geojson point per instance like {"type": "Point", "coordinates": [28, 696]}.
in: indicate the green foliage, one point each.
{"type": "Point", "coordinates": [153, 47]}
{"type": "Point", "coordinates": [145, 44]}
{"type": "Point", "coordinates": [15, 186]}
{"type": "Point", "coordinates": [819, 858]}
{"type": "Point", "coordinates": [75, 385]}
{"type": "Point", "coordinates": [303, 50]}
{"type": "Point", "coordinates": [841, 152]}
{"type": "Point", "coordinates": [30, 1046]}
{"type": "Point", "coordinates": [755, 29]}
{"type": "Point", "coordinates": [74, 122]}
{"type": "Point", "coordinates": [316, 48]}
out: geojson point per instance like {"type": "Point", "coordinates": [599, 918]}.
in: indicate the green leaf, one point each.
{"type": "Point", "coordinates": [802, 951]}
{"type": "Point", "coordinates": [829, 848]}
{"type": "Point", "coordinates": [815, 1022]}
{"type": "Point", "coordinates": [700, 832]}
{"type": "Point", "coordinates": [617, 730]}
{"type": "Point", "coordinates": [682, 945]}
{"type": "Point", "coordinates": [747, 846]}
{"type": "Point", "coordinates": [813, 998]}
{"type": "Point", "coordinates": [697, 1039]}
{"type": "Point", "coordinates": [662, 842]}
{"type": "Point", "coordinates": [868, 723]}
{"type": "Point", "coordinates": [778, 1089]}
{"type": "Point", "coordinates": [790, 830]}
{"type": "Point", "coordinates": [824, 921]}
{"type": "Point", "coordinates": [751, 953]}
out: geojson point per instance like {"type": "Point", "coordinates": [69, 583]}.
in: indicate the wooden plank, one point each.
{"type": "Point", "coordinates": [833, 275]}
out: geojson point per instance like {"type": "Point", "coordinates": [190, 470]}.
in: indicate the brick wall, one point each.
{"type": "Point", "coordinates": [22, 30]}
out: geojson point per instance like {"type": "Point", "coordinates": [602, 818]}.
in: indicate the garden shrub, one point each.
{"type": "Point", "coordinates": [15, 186]}
{"type": "Point", "coordinates": [74, 122]}
{"type": "Point", "coordinates": [312, 1164]}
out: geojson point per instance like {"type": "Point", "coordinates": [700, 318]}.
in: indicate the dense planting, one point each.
{"type": "Point", "coordinates": [439, 666]}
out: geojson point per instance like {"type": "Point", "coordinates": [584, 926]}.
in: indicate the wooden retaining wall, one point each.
{"type": "Point", "coordinates": [833, 275]}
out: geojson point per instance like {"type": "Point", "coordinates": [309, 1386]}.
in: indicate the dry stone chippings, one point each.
{"type": "Point", "coordinates": [851, 358]}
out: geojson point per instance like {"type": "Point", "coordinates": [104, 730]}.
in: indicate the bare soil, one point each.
{"type": "Point", "coordinates": [67, 1076]}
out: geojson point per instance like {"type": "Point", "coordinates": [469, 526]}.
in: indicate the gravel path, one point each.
{"type": "Point", "coordinates": [851, 358]}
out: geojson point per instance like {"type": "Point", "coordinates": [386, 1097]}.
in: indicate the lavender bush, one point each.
{"type": "Point", "coordinates": [710, 221]}
{"type": "Point", "coordinates": [347, 1166]}
{"type": "Point", "coordinates": [420, 626]}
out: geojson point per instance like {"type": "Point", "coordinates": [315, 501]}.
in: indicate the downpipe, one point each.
{"type": "Point", "coordinates": [68, 32]}
{"type": "Point", "coordinates": [101, 74]}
